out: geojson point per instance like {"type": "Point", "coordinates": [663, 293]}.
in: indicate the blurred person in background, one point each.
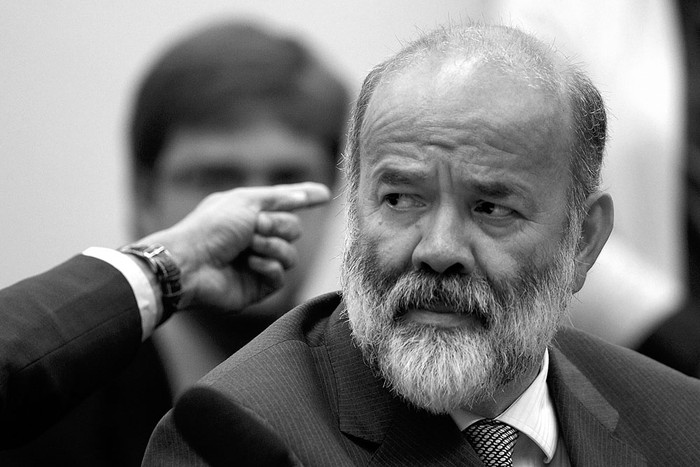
{"type": "Point", "coordinates": [232, 104]}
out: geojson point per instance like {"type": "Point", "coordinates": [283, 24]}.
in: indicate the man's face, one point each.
{"type": "Point", "coordinates": [195, 163]}
{"type": "Point", "coordinates": [462, 261]}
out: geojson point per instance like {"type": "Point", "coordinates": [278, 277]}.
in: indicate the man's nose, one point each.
{"type": "Point", "coordinates": [445, 246]}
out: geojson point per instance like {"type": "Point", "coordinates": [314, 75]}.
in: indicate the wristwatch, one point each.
{"type": "Point", "coordinates": [161, 262]}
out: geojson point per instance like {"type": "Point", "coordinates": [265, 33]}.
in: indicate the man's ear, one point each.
{"type": "Point", "coordinates": [595, 231]}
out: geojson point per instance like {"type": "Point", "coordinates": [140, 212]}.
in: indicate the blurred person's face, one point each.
{"type": "Point", "coordinates": [195, 163]}
{"type": "Point", "coordinates": [462, 262]}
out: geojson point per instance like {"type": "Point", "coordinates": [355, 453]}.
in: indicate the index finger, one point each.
{"type": "Point", "coordinates": [289, 197]}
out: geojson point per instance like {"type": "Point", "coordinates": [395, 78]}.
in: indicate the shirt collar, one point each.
{"type": "Point", "coordinates": [532, 414]}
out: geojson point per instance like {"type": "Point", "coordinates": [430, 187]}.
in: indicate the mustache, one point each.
{"type": "Point", "coordinates": [474, 294]}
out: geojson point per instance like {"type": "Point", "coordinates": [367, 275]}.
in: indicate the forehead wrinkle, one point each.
{"type": "Point", "coordinates": [453, 131]}
{"type": "Point", "coordinates": [438, 143]}
{"type": "Point", "coordinates": [398, 125]}
{"type": "Point", "coordinates": [388, 137]}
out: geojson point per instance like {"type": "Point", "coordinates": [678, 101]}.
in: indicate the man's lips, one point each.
{"type": "Point", "coordinates": [438, 309]}
{"type": "Point", "coordinates": [441, 316]}
{"type": "Point", "coordinates": [426, 308]}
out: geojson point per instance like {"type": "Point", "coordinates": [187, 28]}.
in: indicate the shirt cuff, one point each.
{"type": "Point", "coordinates": [140, 283]}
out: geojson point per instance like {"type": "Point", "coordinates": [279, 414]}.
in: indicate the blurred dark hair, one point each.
{"type": "Point", "coordinates": [225, 75]}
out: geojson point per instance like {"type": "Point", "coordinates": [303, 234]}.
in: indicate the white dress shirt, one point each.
{"type": "Point", "coordinates": [539, 442]}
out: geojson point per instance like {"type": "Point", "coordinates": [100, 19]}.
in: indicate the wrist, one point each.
{"type": "Point", "coordinates": [158, 260]}
{"type": "Point", "coordinates": [181, 251]}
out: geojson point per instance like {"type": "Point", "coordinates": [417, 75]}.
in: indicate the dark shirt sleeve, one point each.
{"type": "Point", "coordinates": [63, 334]}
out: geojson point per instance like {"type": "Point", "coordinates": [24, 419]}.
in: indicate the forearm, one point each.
{"type": "Point", "coordinates": [63, 334]}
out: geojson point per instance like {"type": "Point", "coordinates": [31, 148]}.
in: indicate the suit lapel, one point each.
{"type": "Point", "coordinates": [365, 408]}
{"type": "Point", "coordinates": [588, 422]}
{"type": "Point", "coordinates": [418, 438]}
{"type": "Point", "coordinates": [368, 411]}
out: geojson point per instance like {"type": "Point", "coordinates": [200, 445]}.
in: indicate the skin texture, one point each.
{"type": "Point", "coordinates": [464, 170]}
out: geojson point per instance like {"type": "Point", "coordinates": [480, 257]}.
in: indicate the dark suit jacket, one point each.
{"type": "Point", "coordinates": [62, 334]}
{"type": "Point", "coordinates": [301, 394]}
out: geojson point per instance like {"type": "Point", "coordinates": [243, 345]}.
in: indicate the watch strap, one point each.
{"type": "Point", "coordinates": [163, 266]}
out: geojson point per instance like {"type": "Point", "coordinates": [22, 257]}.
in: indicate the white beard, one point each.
{"type": "Point", "coordinates": [441, 369]}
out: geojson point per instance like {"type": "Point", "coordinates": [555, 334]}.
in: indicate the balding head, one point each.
{"type": "Point", "coordinates": [509, 51]}
{"type": "Point", "coordinates": [474, 214]}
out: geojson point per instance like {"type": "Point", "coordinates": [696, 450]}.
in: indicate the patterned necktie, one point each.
{"type": "Point", "coordinates": [493, 441]}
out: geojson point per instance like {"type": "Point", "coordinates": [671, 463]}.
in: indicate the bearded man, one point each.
{"type": "Point", "coordinates": [474, 215]}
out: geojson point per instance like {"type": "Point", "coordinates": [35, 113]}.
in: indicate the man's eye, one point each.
{"type": "Point", "coordinates": [493, 209]}
{"type": "Point", "coordinates": [401, 201]}
{"type": "Point", "coordinates": [210, 179]}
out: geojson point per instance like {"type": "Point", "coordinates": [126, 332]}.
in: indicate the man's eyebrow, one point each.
{"type": "Point", "coordinates": [401, 177]}
{"type": "Point", "coordinates": [495, 189]}
{"type": "Point", "coordinates": [492, 189]}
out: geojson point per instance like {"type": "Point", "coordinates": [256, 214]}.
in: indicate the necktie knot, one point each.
{"type": "Point", "coordinates": [493, 441]}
